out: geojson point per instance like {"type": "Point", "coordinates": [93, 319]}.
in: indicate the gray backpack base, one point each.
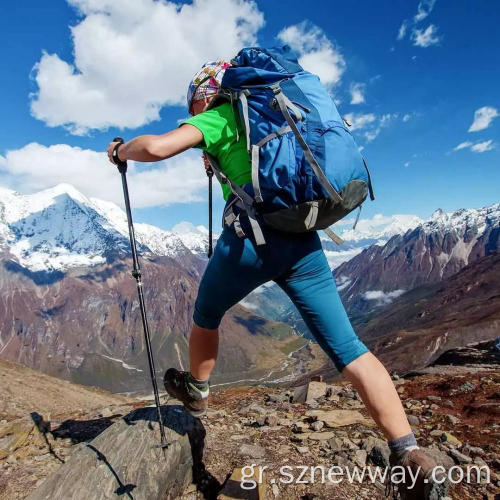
{"type": "Point", "coordinates": [320, 214]}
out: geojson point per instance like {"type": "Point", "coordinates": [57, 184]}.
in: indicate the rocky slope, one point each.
{"type": "Point", "coordinates": [433, 251]}
{"type": "Point", "coordinates": [317, 425]}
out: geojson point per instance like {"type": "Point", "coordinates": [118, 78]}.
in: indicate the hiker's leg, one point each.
{"type": "Point", "coordinates": [370, 378]}
{"type": "Point", "coordinates": [232, 273]}
{"type": "Point", "coordinates": [203, 347]}
{"type": "Point", "coordinates": [311, 286]}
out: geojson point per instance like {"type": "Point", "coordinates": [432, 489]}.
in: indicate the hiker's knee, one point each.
{"type": "Point", "coordinates": [342, 353]}
{"type": "Point", "coordinates": [207, 319]}
{"type": "Point", "coordinates": [200, 330]}
{"type": "Point", "coordinates": [350, 353]}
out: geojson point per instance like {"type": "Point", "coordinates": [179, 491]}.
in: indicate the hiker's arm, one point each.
{"type": "Point", "coordinates": [158, 147]}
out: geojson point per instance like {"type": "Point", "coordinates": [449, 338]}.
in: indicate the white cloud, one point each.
{"type": "Point", "coordinates": [337, 257]}
{"type": "Point", "coordinates": [402, 30]}
{"type": "Point", "coordinates": [483, 118]}
{"type": "Point", "coordinates": [407, 164]}
{"type": "Point", "coordinates": [382, 298]}
{"type": "Point", "coordinates": [342, 282]}
{"type": "Point", "coordinates": [463, 145]}
{"type": "Point", "coordinates": [476, 147]}
{"type": "Point", "coordinates": [481, 147]}
{"type": "Point", "coordinates": [384, 121]}
{"type": "Point", "coordinates": [359, 120]}
{"type": "Point", "coordinates": [35, 167]}
{"type": "Point", "coordinates": [317, 53]}
{"type": "Point", "coordinates": [357, 93]}
{"type": "Point", "coordinates": [371, 123]}
{"type": "Point", "coordinates": [133, 57]}
{"type": "Point", "coordinates": [427, 37]}
{"type": "Point", "coordinates": [406, 117]}
{"type": "Point", "coordinates": [423, 10]}
{"type": "Point", "coordinates": [421, 38]}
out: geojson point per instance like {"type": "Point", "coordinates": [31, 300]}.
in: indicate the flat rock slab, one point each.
{"type": "Point", "coordinates": [254, 482]}
{"type": "Point", "coordinates": [124, 462]}
{"type": "Point", "coordinates": [339, 418]}
{"type": "Point", "coordinates": [252, 450]}
{"type": "Point", "coordinates": [321, 436]}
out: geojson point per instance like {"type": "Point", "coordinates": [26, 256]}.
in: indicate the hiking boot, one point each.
{"type": "Point", "coordinates": [178, 386]}
{"type": "Point", "coordinates": [421, 465]}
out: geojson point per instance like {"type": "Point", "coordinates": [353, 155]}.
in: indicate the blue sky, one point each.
{"type": "Point", "coordinates": [418, 80]}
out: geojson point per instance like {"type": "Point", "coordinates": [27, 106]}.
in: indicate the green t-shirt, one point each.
{"type": "Point", "coordinates": [220, 129]}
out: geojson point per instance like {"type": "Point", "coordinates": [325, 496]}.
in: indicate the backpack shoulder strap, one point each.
{"type": "Point", "coordinates": [242, 195]}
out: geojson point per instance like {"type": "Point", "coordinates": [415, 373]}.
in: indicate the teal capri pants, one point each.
{"type": "Point", "coordinates": [296, 263]}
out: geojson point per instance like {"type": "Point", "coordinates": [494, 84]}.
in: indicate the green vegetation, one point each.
{"type": "Point", "coordinates": [280, 330]}
{"type": "Point", "coordinates": [293, 345]}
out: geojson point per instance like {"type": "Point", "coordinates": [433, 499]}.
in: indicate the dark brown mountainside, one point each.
{"type": "Point", "coordinates": [84, 325]}
{"type": "Point", "coordinates": [423, 323]}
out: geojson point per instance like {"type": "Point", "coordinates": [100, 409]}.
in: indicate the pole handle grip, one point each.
{"type": "Point", "coordinates": [122, 165]}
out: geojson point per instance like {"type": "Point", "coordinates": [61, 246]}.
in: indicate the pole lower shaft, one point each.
{"type": "Point", "coordinates": [137, 275]}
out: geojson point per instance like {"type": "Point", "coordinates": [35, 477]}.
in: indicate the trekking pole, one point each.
{"type": "Point", "coordinates": [136, 273]}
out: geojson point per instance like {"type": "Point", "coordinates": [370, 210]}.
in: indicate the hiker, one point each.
{"type": "Point", "coordinates": [294, 261]}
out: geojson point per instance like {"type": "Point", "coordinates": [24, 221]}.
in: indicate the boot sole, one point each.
{"type": "Point", "coordinates": [198, 413]}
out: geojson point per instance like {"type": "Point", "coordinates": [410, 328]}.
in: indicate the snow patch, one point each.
{"type": "Point", "coordinates": [382, 298]}
{"type": "Point", "coordinates": [124, 365]}
{"type": "Point", "coordinates": [343, 282]}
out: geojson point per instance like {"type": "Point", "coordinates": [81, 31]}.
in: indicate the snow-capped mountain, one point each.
{"type": "Point", "coordinates": [60, 228]}
{"type": "Point", "coordinates": [375, 231]}
{"type": "Point", "coordinates": [431, 252]}
{"type": "Point", "coordinates": [194, 237]}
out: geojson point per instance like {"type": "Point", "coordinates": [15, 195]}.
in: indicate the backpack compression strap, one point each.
{"type": "Point", "coordinates": [283, 103]}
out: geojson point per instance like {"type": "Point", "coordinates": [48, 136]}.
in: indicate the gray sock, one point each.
{"type": "Point", "coordinates": [198, 388]}
{"type": "Point", "coordinates": [402, 444]}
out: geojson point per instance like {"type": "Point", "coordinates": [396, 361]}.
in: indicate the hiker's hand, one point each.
{"type": "Point", "coordinates": [110, 152]}
{"type": "Point", "coordinates": [206, 162]}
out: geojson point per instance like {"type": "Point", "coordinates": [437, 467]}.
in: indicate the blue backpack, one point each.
{"type": "Point", "coordinates": [307, 171]}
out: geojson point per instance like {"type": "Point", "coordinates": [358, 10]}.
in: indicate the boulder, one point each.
{"type": "Point", "coordinates": [309, 392]}
{"type": "Point", "coordinates": [413, 420]}
{"type": "Point", "coordinates": [360, 458]}
{"type": "Point", "coordinates": [317, 425]}
{"type": "Point", "coordinates": [451, 439]}
{"type": "Point", "coordinates": [125, 460]}
{"type": "Point", "coordinates": [321, 436]}
{"type": "Point", "coordinates": [378, 451]}
{"type": "Point", "coordinates": [460, 458]}
{"type": "Point", "coordinates": [452, 419]}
